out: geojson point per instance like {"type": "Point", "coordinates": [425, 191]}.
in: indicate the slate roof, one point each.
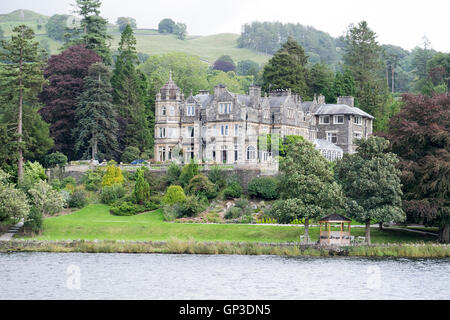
{"type": "Point", "coordinates": [335, 109]}
{"type": "Point", "coordinates": [327, 145]}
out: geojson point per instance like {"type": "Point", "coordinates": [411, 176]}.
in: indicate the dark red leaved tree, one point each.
{"type": "Point", "coordinates": [420, 136]}
{"type": "Point", "coordinates": [65, 73]}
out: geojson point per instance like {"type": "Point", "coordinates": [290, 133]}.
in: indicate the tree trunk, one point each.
{"type": "Point", "coordinates": [368, 232]}
{"type": "Point", "coordinates": [307, 230]}
{"type": "Point", "coordinates": [19, 123]}
{"type": "Point", "coordinates": [392, 79]}
{"type": "Point", "coordinates": [380, 224]}
{"type": "Point", "coordinates": [443, 234]}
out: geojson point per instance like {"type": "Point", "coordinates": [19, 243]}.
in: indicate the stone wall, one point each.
{"type": "Point", "coordinates": [245, 174]}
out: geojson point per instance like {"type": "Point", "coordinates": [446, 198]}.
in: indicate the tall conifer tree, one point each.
{"type": "Point", "coordinates": [129, 95]}
{"type": "Point", "coordinates": [287, 69]}
{"type": "Point", "coordinates": [21, 79]}
{"type": "Point", "coordinates": [96, 133]}
{"type": "Point", "coordinates": [92, 31]}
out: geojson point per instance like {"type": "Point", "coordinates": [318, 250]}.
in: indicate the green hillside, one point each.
{"type": "Point", "coordinates": [208, 48]}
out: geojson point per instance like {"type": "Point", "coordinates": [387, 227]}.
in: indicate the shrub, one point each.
{"type": "Point", "coordinates": [34, 220]}
{"type": "Point", "coordinates": [13, 203]}
{"type": "Point", "coordinates": [141, 191]}
{"type": "Point", "coordinates": [192, 206]}
{"type": "Point", "coordinates": [173, 173]}
{"type": "Point", "coordinates": [124, 209]}
{"type": "Point", "coordinates": [55, 159]}
{"type": "Point", "coordinates": [242, 203]}
{"type": "Point", "coordinates": [263, 188]}
{"type": "Point", "coordinates": [216, 176]}
{"type": "Point", "coordinates": [170, 213]}
{"type": "Point", "coordinates": [69, 180]}
{"type": "Point", "coordinates": [78, 199]}
{"type": "Point", "coordinates": [33, 172]}
{"type": "Point", "coordinates": [92, 180]}
{"type": "Point", "coordinates": [201, 186]}
{"type": "Point", "coordinates": [112, 176]}
{"type": "Point", "coordinates": [188, 172]}
{"type": "Point", "coordinates": [234, 190]}
{"type": "Point", "coordinates": [46, 199]}
{"type": "Point", "coordinates": [156, 182]}
{"type": "Point", "coordinates": [213, 217]}
{"type": "Point", "coordinates": [234, 213]}
{"type": "Point", "coordinates": [112, 193]}
{"type": "Point", "coordinates": [130, 154]}
{"type": "Point", "coordinates": [174, 194]}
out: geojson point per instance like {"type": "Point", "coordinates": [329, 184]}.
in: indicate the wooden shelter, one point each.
{"type": "Point", "coordinates": [334, 237]}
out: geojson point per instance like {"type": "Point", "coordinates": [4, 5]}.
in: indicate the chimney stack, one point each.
{"type": "Point", "coordinates": [349, 100]}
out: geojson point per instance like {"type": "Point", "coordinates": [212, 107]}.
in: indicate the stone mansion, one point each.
{"type": "Point", "coordinates": [224, 127]}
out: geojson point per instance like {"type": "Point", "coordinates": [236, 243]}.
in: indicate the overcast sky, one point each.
{"type": "Point", "coordinates": [399, 22]}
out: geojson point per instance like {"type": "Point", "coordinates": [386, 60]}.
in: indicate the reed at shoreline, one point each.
{"type": "Point", "coordinates": [176, 246]}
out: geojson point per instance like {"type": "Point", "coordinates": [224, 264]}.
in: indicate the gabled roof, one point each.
{"type": "Point", "coordinates": [334, 217]}
{"type": "Point", "coordinates": [335, 109]}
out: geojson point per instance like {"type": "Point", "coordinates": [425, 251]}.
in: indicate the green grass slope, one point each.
{"type": "Point", "coordinates": [94, 222]}
{"type": "Point", "coordinates": [149, 41]}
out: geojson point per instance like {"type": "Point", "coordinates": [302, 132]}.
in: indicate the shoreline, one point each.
{"type": "Point", "coordinates": [176, 246]}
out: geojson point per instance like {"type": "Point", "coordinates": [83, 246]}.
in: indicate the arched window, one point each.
{"type": "Point", "coordinates": [163, 111]}
{"type": "Point", "coordinates": [251, 153]}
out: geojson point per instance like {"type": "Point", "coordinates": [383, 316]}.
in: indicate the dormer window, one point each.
{"type": "Point", "coordinates": [190, 110]}
{"type": "Point", "coordinates": [324, 120]}
{"type": "Point", "coordinates": [338, 119]}
{"type": "Point", "coordinates": [225, 108]}
{"type": "Point", "coordinates": [357, 120]}
{"type": "Point", "coordinates": [163, 110]}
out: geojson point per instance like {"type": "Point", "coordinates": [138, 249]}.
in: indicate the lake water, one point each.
{"type": "Point", "coordinates": [158, 276]}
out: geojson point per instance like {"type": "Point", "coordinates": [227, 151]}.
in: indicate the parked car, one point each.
{"type": "Point", "coordinates": [140, 161]}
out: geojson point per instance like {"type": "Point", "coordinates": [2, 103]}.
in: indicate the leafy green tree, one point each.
{"type": "Point", "coordinates": [180, 30]}
{"type": "Point", "coordinates": [56, 26]}
{"type": "Point", "coordinates": [122, 22]}
{"type": "Point", "coordinates": [13, 203]}
{"type": "Point", "coordinates": [371, 182]}
{"type": "Point", "coordinates": [47, 200]}
{"type": "Point", "coordinates": [21, 79]}
{"type": "Point", "coordinates": [307, 188]}
{"type": "Point", "coordinates": [166, 26]}
{"type": "Point", "coordinates": [189, 72]}
{"type": "Point", "coordinates": [141, 191]}
{"type": "Point", "coordinates": [420, 137]}
{"type": "Point", "coordinates": [248, 68]}
{"type": "Point", "coordinates": [129, 95]}
{"type": "Point", "coordinates": [2, 34]}
{"type": "Point", "coordinates": [56, 159]}
{"type": "Point", "coordinates": [229, 79]}
{"type": "Point", "coordinates": [33, 173]}
{"type": "Point", "coordinates": [96, 132]}
{"type": "Point", "coordinates": [263, 188]}
{"type": "Point", "coordinates": [287, 69]}
{"type": "Point", "coordinates": [130, 154]}
{"type": "Point", "coordinates": [363, 57]}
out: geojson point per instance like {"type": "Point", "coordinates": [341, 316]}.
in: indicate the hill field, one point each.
{"type": "Point", "coordinates": [208, 48]}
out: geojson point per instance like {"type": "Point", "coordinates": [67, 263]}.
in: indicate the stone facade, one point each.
{"type": "Point", "coordinates": [225, 127]}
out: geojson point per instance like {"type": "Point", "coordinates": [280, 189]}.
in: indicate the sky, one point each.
{"type": "Point", "coordinates": [398, 22]}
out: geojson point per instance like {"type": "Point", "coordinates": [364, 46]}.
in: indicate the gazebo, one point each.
{"type": "Point", "coordinates": [334, 237]}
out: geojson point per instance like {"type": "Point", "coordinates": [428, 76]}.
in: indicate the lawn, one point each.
{"type": "Point", "coordinates": [95, 222]}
